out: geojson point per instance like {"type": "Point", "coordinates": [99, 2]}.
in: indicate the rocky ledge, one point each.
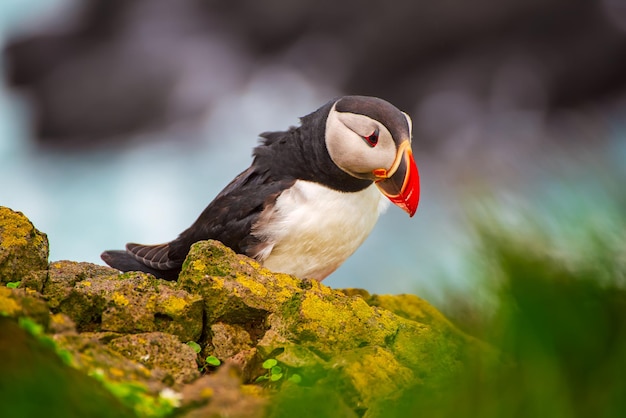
{"type": "Point", "coordinates": [228, 338]}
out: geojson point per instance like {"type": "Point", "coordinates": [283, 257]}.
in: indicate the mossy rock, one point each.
{"type": "Point", "coordinates": [23, 249]}
{"type": "Point", "coordinates": [126, 303]}
{"type": "Point", "coordinates": [160, 352]}
{"type": "Point", "coordinates": [349, 335]}
{"type": "Point", "coordinates": [21, 303]}
{"type": "Point", "coordinates": [235, 288]}
{"type": "Point", "coordinates": [91, 354]}
{"type": "Point", "coordinates": [63, 275]}
{"type": "Point", "coordinates": [371, 373]}
{"type": "Point", "coordinates": [129, 332]}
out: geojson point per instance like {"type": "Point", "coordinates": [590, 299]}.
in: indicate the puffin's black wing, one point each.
{"type": "Point", "coordinates": [228, 218]}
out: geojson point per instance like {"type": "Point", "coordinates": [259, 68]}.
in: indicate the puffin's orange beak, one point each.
{"type": "Point", "coordinates": [401, 183]}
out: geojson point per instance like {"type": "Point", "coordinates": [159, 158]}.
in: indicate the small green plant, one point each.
{"type": "Point", "coordinates": [275, 373]}
{"type": "Point", "coordinates": [195, 346]}
{"type": "Point", "coordinates": [209, 361]}
{"type": "Point", "coordinates": [14, 285]}
{"type": "Point", "coordinates": [212, 361]}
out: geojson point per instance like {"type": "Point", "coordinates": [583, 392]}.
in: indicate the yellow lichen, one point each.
{"type": "Point", "coordinates": [174, 305]}
{"type": "Point", "coordinates": [253, 390]}
{"type": "Point", "coordinates": [411, 307]}
{"type": "Point", "coordinates": [115, 372]}
{"type": "Point", "coordinates": [198, 265]}
{"type": "Point", "coordinates": [8, 306]}
{"type": "Point", "coordinates": [373, 381]}
{"type": "Point", "coordinates": [58, 318]}
{"type": "Point", "coordinates": [317, 309]}
{"type": "Point", "coordinates": [14, 228]}
{"type": "Point", "coordinates": [119, 299]}
{"type": "Point", "coordinates": [315, 285]}
{"type": "Point", "coordinates": [206, 393]}
{"type": "Point", "coordinates": [254, 286]}
{"type": "Point", "coordinates": [151, 303]}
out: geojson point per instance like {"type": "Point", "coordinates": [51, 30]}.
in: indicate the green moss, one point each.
{"type": "Point", "coordinates": [335, 322]}
{"type": "Point", "coordinates": [374, 373]}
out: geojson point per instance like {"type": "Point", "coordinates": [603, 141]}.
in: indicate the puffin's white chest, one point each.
{"type": "Point", "coordinates": [312, 229]}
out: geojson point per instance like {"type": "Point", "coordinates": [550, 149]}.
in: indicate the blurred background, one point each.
{"type": "Point", "coordinates": [120, 120]}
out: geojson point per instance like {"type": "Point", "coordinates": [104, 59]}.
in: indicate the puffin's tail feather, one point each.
{"type": "Point", "coordinates": [124, 261]}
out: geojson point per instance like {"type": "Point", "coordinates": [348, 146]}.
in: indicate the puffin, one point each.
{"type": "Point", "coordinates": [310, 197]}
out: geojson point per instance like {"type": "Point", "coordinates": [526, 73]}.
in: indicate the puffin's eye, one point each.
{"type": "Point", "coordinates": [372, 139]}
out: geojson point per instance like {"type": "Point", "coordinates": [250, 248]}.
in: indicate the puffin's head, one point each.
{"type": "Point", "coordinates": [370, 138]}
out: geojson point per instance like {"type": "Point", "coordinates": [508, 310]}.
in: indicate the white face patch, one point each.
{"type": "Point", "coordinates": [348, 148]}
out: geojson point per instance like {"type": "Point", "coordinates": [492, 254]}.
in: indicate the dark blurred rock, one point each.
{"type": "Point", "coordinates": [131, 66]}
{"type": "Point", "coordinates": [122, 67]}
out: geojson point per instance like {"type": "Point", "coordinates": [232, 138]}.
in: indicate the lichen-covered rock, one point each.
{"type": "Point", "coordinates": [130, 330]}
{"type": "Point", "coordinates": [62, 324]}
{"type": "Point", "coordinates": [91, 355]}
{"type": "Point", "coordinates": [409, 307]}
{"type": "Point", "coordinates": [157, 350]}
{"type": "Point", "coordinates": [235, 288]}
{"type": "Point", "coordinates": [328, 322]}
{"type": "Point", "coordinates": [308, 326]}
{"type": "Point", "coordinates": [63, 276]}
{"type": "Point", "coordinates": [129, 303]}
{"type": "Point", "coordinates": [23, 248]}
{"type": "Point", "coordinates": [228, 340]}
{"type": "Point", "coordinates": [19, 303]}
{"type": "Point", "coordinates": [373, 372]}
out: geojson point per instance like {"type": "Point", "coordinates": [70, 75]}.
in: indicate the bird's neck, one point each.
{"type": "Point", "coordinates": [320, 167]}
{"type": "Point", "coordinates": [301, 153]}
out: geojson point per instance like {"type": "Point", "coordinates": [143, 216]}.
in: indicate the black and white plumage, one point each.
{"type": "Point", "coordinates": [309, 199]}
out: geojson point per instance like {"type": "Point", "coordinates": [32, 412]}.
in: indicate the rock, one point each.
{"type": "Point", "coordinates": [228, 340]}
{"type": "Point", "coordinates": [373, 373]}
{"type": "Point", "coordinates": [19, 303]}
{"type": "Point", "coordinates": [129, 332]}
{"type": "Point", "coordinates": [157, 350]}
{"type": "Point", "coordinates": [312, 329]}
{"type": "Point", "coordinates": [222, 394]}
{"type": "Point", "coordinates": [63, 275]}
{"type": "Point", "coordinates": [91, 355]}
{"type": "Point", "coordinates": [62, 324]}
{"type": "Point", "coordinates": [127, 303]}
{"type": "Point", "coordinates": [247, 362]}
{"type": "Point", "coordinates": [23, 249]}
